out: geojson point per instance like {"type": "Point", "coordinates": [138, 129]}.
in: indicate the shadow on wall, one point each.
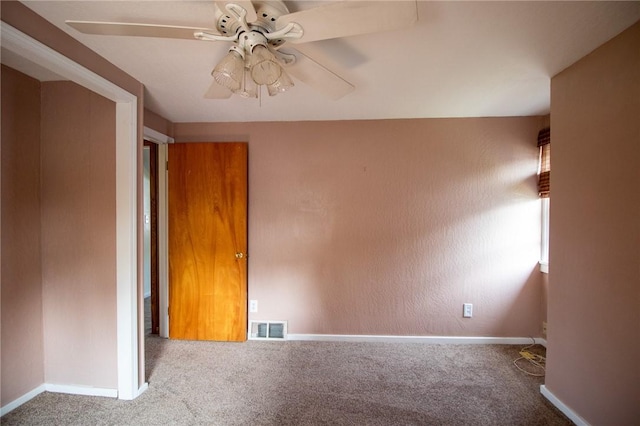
{"type": "Point", "coordinates": [523, 318]}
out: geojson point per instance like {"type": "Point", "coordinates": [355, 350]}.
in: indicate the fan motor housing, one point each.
{"type": "Point", "coordinates": [267, 12]}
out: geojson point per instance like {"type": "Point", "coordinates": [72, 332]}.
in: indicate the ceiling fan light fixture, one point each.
{"type": "Point", "coordinates": [282, 84]}
{"type": "Point", "coordinates": [264, 66]}
{"type": "Point", "coordinates": [230, 71]}
{"type": "Point", "coordinates": [249, 88]}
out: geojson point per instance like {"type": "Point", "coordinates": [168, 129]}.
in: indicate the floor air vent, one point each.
{"type": "Point", "coordinates": [268, 330]}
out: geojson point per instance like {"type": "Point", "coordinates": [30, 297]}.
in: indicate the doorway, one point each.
{"type": "Point", "coordinates": [150, 220]}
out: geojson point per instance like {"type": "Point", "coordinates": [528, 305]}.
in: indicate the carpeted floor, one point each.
{"type": "Point", "coordinates": [147, 316]}
{"type": "Point", "coordinates": [313, 383]}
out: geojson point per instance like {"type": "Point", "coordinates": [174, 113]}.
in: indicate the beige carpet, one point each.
{"type": "Point", "coordinates": [147, 316]}
{"type": "Point", "coordinates": [313, 383]}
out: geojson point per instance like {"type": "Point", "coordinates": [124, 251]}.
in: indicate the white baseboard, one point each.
{"type": "Point", "coordinates": [575, 418]}
{"type": "Point", "coordinates": [74, 390]}
{"type": "Point", "coordinates": [450, 340]}
{"type": "Point", "coordinates": [82, 390]}
{"type": "Point", "coordinates": [21, 400]}
{"type": "Point", "coordinates": [142, 389]}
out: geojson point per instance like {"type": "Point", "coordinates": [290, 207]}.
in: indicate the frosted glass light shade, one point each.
{"type": "Point", "coordinates": [230, 71]}
{"type": "Point", "coordinates": [282, 84]}
{"type": "Point", "coordinates": [263, 65]}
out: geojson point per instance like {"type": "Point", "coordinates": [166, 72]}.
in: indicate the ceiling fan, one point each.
{"type": "Point", "coordinates": [257, 30]}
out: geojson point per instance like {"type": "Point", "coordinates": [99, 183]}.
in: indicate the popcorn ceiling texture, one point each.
{"type": "Point", "coordinates": [388, 227]}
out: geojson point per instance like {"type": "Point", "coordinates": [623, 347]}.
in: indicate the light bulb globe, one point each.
{"type": "Point", "coordinates": [264, 67]}
{"type": "Point", "coordinates": [230, 71]}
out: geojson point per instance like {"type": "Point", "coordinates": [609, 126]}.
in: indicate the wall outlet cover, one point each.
{"type": "Point", "coordinates": [467, 310]}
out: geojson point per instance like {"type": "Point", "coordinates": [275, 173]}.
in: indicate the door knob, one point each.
{"type": "Point", "coordinates": [240, 255]}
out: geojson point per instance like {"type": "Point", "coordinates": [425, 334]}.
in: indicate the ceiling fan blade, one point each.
{"type": "Point", "coordinates": [246, 5]}
{"type": "Point", "coordinates": [349, 18]}
{"type": "Point", "coordinates": [319, 77]}
{"type": "Point", "coordinates": [138, 30]}
{"type": "Point", "coordinates": [217, 91]}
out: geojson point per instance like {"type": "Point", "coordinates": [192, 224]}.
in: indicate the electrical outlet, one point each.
{"type": "Point", "coordinates": [544, 328]}
{"type": "Point", "coordinates": [467, 310]}
{"type": "Point", "coordinates": [253, 305]}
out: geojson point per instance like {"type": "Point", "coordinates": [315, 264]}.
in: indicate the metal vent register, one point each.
{"type": "Point", "coordinates": [268, 330]}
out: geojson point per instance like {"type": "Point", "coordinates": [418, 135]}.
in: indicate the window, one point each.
{"type": "Point", "coordinates": [544, 172]}
{"type": "Point", "coordinates": [544, 246]}
{"type": "Point", "coordinates": [544, 163]}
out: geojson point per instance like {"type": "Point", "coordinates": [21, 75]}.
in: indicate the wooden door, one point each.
{"type": "Point", "coordinates": [208, 241]}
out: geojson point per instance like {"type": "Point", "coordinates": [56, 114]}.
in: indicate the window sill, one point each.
{"type": "Point", "coordinates": [544, 267]}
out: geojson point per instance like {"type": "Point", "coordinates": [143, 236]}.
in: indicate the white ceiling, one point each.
{"type": "Point", "coordinates": [461, 59]}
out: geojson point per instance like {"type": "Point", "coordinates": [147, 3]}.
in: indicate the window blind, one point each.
{"type": "Point", "coordinates": [544, 168]}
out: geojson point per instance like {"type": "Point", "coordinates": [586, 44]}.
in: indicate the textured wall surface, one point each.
{"type": "Point", "coordinates": [78, 236]}
{"type": "Point", "coordinates": [157, 123]}
{"type": "Point", "coordinates": [594, 280]}
{"type": "Point", "coordinates": [22, 346]}
{"type": "Point", "coordinates": [388, 227]}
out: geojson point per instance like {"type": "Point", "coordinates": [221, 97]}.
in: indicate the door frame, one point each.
{"type": "Point", "coordinates": [163, 228]}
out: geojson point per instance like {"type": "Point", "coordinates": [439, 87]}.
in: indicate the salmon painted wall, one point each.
{"type": "Point", "coordinates": [78, 236]}
{"type": "Point", "coordinates": [594, 279]}
{"type": "Point", "coordinates": [21, 280]}
{"type": "Point", "coordinates": [157, 123]}
{"type": "Point", "coordinates": [388, 227]}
